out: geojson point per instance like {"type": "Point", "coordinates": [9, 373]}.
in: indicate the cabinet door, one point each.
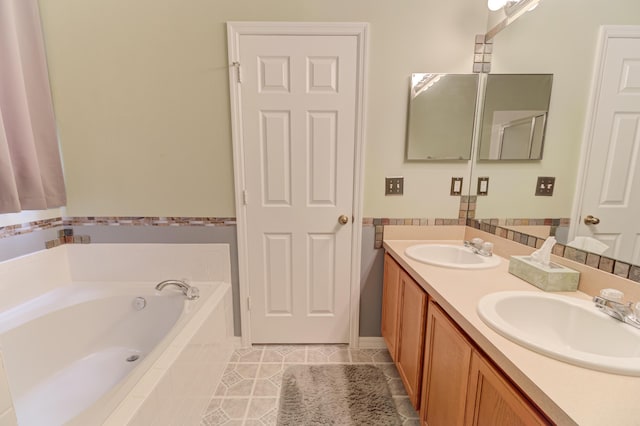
{"type": "Point", "coordinates": [390, 305]}
{"type": "Point", "coordinates": [493, 401]}
{"type": "Point", "coordinates": [447, 359]}
{"type": "Point", "coordinates": [413, 315]}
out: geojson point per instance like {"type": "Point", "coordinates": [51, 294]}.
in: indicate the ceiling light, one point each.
{"type": "Point", "coordinates": [494, 5]}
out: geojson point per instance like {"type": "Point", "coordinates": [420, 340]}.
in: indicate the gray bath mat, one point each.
{"type": "Point", "coordinates": [336, 395]}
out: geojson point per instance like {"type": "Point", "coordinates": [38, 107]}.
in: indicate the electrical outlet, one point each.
{"type": "Point", "coordinates": [393, 185]}
{"type": "Point", "coordinates": [545, 185]}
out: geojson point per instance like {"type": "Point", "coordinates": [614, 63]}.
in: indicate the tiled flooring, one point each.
{"type": "Point", "coordinates": [250, 388]}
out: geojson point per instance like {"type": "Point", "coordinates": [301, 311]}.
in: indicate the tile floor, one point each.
{"type": "Point", "coordinates": [250, 387]}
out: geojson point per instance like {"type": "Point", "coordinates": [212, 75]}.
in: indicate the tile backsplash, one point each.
{"type": "Point", "coordinates": [603, 263]}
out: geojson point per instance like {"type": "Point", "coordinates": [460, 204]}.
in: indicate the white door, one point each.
{"type": "Point", "coordinates": [611, 183]}
{"type": "Point", "coordinates": [298, 122]}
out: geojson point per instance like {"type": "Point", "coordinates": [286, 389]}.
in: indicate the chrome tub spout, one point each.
{"type": "Point", "coordinates": [190, 292]}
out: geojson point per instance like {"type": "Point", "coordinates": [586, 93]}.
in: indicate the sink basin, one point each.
{"type": "Point", "coordinates": [451, 256]}
{"type": "Point", "coordinates": [564, 328]}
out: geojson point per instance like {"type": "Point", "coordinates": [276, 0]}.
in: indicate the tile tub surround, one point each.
{"type": "Point", "coordinates": [250, 388]}
{"type": "Point", "coordinates": [592, 398]}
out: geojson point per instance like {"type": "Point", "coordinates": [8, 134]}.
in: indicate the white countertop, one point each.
{"type": "Point", "coordinates": [568, 394]}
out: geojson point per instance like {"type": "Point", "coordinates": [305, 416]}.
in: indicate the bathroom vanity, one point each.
{"type": "Point", "coordinates": [458, 371]}
{"type": "Point", "coordinates": [448, 379]}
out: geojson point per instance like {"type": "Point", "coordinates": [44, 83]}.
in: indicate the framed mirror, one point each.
{"type": "Point", "coordinates": [514, 116]}
{"type": "Point", "coordinates": [441, 116]}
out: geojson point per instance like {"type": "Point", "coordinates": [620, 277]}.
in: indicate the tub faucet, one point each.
{"type": "Point", "coordinates": [192, 293]}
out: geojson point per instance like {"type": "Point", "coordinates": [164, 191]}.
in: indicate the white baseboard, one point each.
{"type": "Point", "coordinates": [371, 343]}
{"type": "Point", "coordinates": [363, 342]}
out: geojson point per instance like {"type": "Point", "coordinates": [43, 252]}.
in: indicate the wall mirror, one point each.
{"type": "Point", "coordinates": [441, 116]}
{"type": "Point", "coordinates": [514, 116]}
{"type": "Point", "coordinates": [545, 41]}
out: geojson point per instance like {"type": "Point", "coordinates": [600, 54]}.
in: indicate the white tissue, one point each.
{"type": "Point", "coordinates": [543, 254]}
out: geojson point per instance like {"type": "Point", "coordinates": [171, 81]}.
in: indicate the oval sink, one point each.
{"type": "Point", "coordinates": [451, 256]}
{"type": "Point", "coordinates": [564, 328]}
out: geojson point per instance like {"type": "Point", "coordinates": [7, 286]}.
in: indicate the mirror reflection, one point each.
{"type": "Point", "coordinates": [514, 116]}
{"type": "Point", "coordinates": [441, 116]}
{"type": "Point", "coordinates": [546, 42]}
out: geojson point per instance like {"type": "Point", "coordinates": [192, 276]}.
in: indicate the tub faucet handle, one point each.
{"type": "Point", "coordinates": [192, 293]}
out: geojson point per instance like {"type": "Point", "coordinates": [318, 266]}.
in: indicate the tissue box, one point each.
{"type": "Point", "coordinates": [548, 278]}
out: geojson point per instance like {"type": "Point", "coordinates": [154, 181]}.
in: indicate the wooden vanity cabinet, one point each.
{"type": "Point", "coordinates": [462, 387]}
{"type": "Point", "coordinates": [390, 305]}
{"type": "Point", "coordinates": [404, 309]}
{"type": "Point", "coordinates": [446, 371]}
{"type": "Point", "coordinates": [492, 400]}
{"type": "Point", "coordinates": [413, 317]}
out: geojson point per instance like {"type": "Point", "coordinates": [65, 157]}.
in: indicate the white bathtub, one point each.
{"type": "Point", "coordinates": [69, 353]}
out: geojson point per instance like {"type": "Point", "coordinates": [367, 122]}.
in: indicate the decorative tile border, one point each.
{"type": "Point", "coordinates": [148, 221]}
{"type": "Point", "coordinates": [379, 224]}
{"type": "Point", "coordinates": [26, 228]}
{"type": "Point", "coordinates": [29, 227]}
{"type": "Point", "coordinates": [65, 235]}
{"type": "Point", "coordinates": [606, 264]}
{"type": "Point", "coordinates": [466, 210]}
{"type": "Point", "coordinates": [468, 206]}
{"type": "Point", "coordinates": [482, 51]}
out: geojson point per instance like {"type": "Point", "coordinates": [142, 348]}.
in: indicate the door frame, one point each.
{"type": "Point", "coordinates": [234, 31]}
{"type": "Point", "coordinates": [606, 32]}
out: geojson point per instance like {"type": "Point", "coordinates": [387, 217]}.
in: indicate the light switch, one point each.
{"type": "Point", "coordinates": [545, 185]}
{"type": "Point", "coordinates": [456, 186]}
{"type": "Point", "coordinates": [394, 185]}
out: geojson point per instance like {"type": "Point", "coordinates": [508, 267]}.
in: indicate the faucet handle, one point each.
{"type": "Point", "coordinates": [477, 243]}
{"type": "Point", "coordinates": [487, 248]}
{"type": "Point", "coordinates": [192, 293]}
{"type": "Point", "coordinates": [612, 295]}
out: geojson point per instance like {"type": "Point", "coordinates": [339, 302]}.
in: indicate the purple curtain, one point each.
{"type": "Point", "coordinates": [30, 168]}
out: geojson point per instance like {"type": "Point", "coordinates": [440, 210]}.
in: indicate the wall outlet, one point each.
{"type": "Point", "coordinates": [393, 185]}
{"type": "Point", "coordinates": [545, 185]}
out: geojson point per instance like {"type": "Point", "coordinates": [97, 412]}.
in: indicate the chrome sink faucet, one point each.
{"type": "Point", "coordinates": [480, 247]}
{"type": "Point", "coordinates": [192, 293]}
{"type": "Point", "coordinates": [610, 302]}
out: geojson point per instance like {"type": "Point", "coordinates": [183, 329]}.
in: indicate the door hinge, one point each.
{"type": "Point", "coordinates": [236, 64]}
{"type": "Point", "coordinates": [245, 197]}
{"type": "Point", "coordinates": [248, 303]}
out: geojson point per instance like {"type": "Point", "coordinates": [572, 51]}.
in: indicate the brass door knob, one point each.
{"type": "Point", "coordinates": [343, 219]}
{"type": "Point", "coordinates": [590, 220]}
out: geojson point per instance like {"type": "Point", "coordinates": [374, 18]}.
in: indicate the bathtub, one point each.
{"type": "Point", "coordinates": [116, 352]}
